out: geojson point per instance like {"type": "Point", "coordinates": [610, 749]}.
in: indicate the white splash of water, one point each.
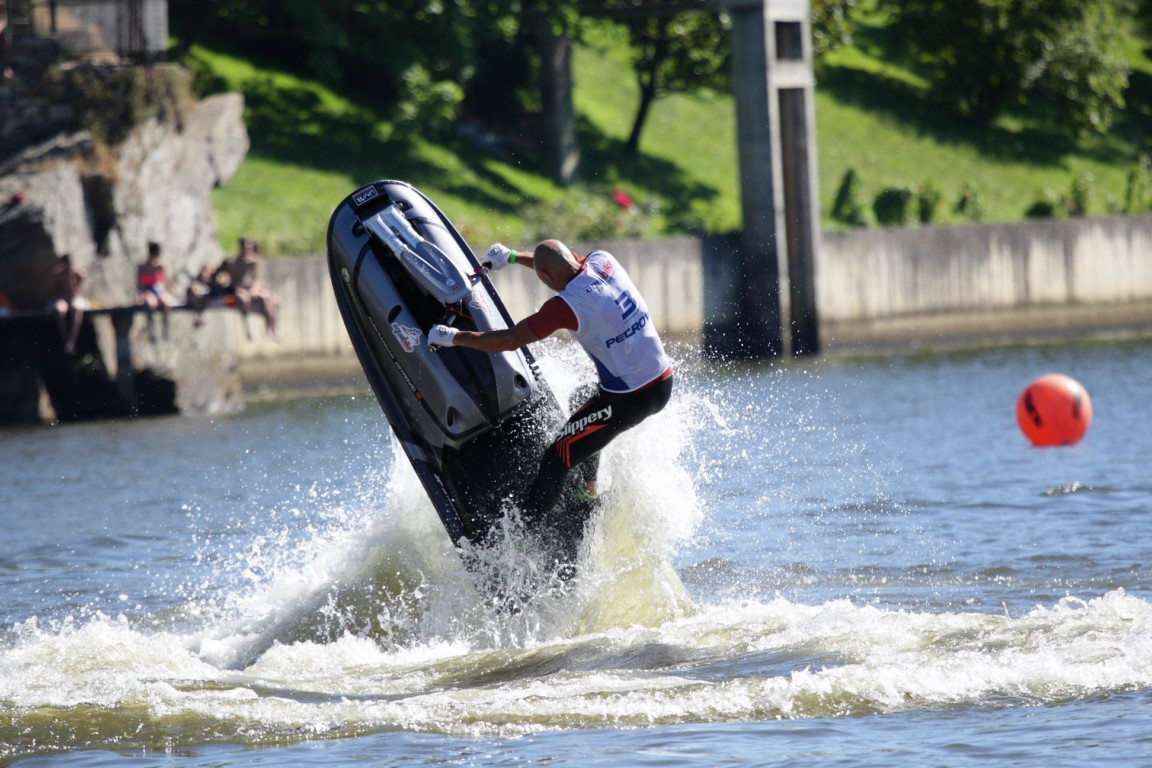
{"type": "Point", "coordinates": [392, 575]}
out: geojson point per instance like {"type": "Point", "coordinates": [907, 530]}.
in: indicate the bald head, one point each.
{"type": "Point", "coordinates": [555, 264]}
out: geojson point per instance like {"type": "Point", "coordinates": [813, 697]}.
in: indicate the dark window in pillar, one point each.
{"type": "Point", "coordinates": [789, 41]}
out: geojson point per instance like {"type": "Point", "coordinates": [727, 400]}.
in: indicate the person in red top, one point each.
{"type": "Point", "coordinates": [603, 309]}
{"type": "Point", "coordinates": [152, 289]}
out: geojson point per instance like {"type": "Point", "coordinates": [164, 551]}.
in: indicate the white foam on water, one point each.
{"type": "Point", "coordinates": [103, 661]}
{"type": "Point", "coordinates": [734, 662]}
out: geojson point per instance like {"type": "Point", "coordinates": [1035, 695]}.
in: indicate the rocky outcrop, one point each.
{"type": "Point", "coordinates": [102, 206]}
{"type": "Point", "coordinates": [44, 215]}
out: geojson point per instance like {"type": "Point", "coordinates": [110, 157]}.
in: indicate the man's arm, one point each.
{"type": "Point", "coordinates": [525, 258]}
{"type": "Point", "coordinates": [502, 340]}
{"type": "Point", "coordinates": [554, 315]}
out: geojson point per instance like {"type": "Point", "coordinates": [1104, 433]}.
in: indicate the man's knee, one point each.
{"type": "Point", "coordinates": [553, 463]}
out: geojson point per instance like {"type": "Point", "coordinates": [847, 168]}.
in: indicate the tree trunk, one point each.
{"type": "Point", "coordinates": [561, 151]}
{"type": "Point", "coordinates": [647, 96]}
{"type": "Point", "coordinates": [648, 78]}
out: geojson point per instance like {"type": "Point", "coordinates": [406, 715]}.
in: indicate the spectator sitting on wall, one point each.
{"type": "Point", "coordinates": [241, 275]}
{"type": "Point", "coordinates": [152, 289]}
{"type": "Point", "coordinates": [204, 291]}
{"type": "Point", "coordinates": [67, 302]}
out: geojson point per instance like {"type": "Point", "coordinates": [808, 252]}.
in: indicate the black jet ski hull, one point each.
{"type": "Point", "coordinates": [473, 425]}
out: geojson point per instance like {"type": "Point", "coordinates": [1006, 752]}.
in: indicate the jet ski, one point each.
{"type": "Point", "coordinates": [474, 425]}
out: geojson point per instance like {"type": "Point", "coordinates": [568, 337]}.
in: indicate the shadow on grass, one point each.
{"type": "Point", "coordinates": [1134, 124]}
{"type": "Point", "coordinates": [603, 159]}
{"type": "Point", "coordinates": [293, 126]}
{"type": "Point", "coordinates": [901, 103]}
{"type": "Point", "coordinates": [1040, 141]}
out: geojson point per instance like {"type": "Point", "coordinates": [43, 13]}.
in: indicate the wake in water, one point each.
{"type": "Point", "coordinates": [731, 662]}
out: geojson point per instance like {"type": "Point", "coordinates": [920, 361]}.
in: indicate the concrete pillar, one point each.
{"type": "Point", "coordinates": [125, 376]}
{"type": "Point", "coordinates": [774, 272]}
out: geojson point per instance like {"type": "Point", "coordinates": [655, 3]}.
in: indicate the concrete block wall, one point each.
{"type": "Point", "coordinates": [886, 273]}
{"type": "Point", "coordinates": [945, 285]}
{"type": "Point", "coordinates": [874, 287]}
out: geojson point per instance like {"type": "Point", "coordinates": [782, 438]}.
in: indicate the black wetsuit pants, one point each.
{"type": "Point", "coordinates": [589, 429]}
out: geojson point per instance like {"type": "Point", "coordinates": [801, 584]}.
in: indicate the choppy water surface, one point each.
{"type": "Point", "coordinates": [849, 563]}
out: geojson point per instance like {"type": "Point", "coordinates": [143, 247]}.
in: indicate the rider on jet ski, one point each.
{"type": "Point", "coordinates": [601, 306]}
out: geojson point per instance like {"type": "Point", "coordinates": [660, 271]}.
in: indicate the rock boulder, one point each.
{"type": "Point", "coordinates": [103, 206]}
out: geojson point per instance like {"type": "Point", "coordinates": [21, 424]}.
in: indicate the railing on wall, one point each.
{"type": "Point", "coordinates": [134, 29]}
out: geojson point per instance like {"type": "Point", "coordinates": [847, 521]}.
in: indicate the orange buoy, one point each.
{"type": "Point", "coordinates": [1054, 410]}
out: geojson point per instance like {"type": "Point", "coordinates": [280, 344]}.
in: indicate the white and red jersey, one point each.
{"type": "Point", "coordinates": [613, 325]}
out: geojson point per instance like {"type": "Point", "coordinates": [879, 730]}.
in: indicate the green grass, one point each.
{"type": "Point", "coordinates": [311, 147]}
{"type": "Point", "coordinates": [877, 119]}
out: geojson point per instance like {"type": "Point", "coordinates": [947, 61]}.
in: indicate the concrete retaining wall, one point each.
{"type": "Point", "coordinates": [941, 284]}
{"type": "Point", "coordinates": [921, 286]}
{"type": "Point", "coordinates": [668, 272]}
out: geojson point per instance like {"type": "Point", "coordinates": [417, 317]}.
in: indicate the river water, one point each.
{"type": "Point", "coordinates": [853, 563]}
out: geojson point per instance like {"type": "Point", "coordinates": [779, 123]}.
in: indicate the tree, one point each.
{"type": "Point", "coordinates": [375, 47]}
{"type": "Point", "coordinates": [555, 26]}
{"type": "Point", "coordinates": [685, 51]}
{"type": "Point", "coordinates": [984, 57]}
{"type": "Point", "coordinates": [1142, 10]}
{"type": "Point", "coordinates": [678, 53]}
{"type": "Point", "coordinates": [832, 25]}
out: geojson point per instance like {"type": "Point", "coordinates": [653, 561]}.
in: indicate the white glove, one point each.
{"type": "Point", "coordinates": [497, 256]}
{"type": "Point", "coordinates": [441, 336]}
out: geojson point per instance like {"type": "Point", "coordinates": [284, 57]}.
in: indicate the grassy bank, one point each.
{"type": "Point", "coordinates": [311, 147]}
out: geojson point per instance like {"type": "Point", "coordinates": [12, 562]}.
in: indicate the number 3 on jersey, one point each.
{"type": "Point", "coordinates": [627, 305]}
